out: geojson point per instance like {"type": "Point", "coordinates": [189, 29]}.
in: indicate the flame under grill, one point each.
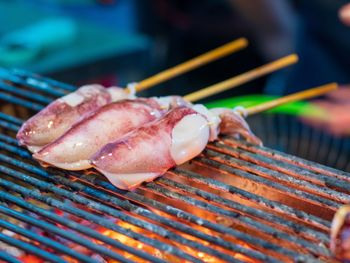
{"type": "Point", "coordinates": [234, 203]}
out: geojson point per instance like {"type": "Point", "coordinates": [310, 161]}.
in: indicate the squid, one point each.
{"type": "Point", "coordinates": [55, 119]}
{"type": "Point", "coordinates": [72, 150]}
{"type": "Point", "coordinates": [340, 234]}
{"type": "Point", "coordinates": [150, 150]}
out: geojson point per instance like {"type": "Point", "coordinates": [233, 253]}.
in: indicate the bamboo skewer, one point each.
{"type": "Point", "coordinates": [243, 78]}
{"type": "Point", "coordinates": [302, 95]}
{"type": "Point", "coordinates": [192, 64]}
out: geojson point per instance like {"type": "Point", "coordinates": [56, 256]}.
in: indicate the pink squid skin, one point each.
{"type": "Point", "coordinates": [72, 150]}
{"type": "Point", "coordinates": [59, 116]}
{"type": "Point", "coordinates": [144, 150]}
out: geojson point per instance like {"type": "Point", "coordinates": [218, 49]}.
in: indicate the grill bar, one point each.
{"type": "Point", "coordinates": [15, 150]}
{"type": "Point", "coordinates": [8, 258]}
{"type": "Point", "coordinates": [128, 207]}
{"type": "Point", "coordinates": [200, 221]}
{"type": "Point", "coordinates": [252, 240]}
{"type": "Point", "coordinates": [21, 102]}
{"type": "Point", "coordinates": [56, 230]}
{"type": "Point", "coordinates": [40, 81]}
{"type": "Point", "coordinates": [33, 84]}
{"type": "Point", "coordinates": [254, 212]}
{"type": "Point", "coordinates": [9, 118]}
{"type": "Point", "coordinates": [263, 175]}
{"type": "Point", "coordinates": [193, 219]}
{"type": "Point", "coordinates": [303, 172]}
{"type": "Point", "coordinates": [78, 212]}
{"type": "Point", "coordinates": [10, 126]}
{"type": "Point", "coordinates": [311, 181]}
{"type": "Point", "coordinates": [30, 248]}
{"type": "Point", "coordinates": [25, 94]}
{"type": "Point", "coordinates": [79, 228]}
{"type": "Point", "coordinates": [286, 210]}
{"type": "Point", "coordinates": [10, 140]}
{"type": "Point", "coordinates": [318, 169]}
{"type": "Point", "coordinates": [301, 140]}
{"type": "Point", "coordinates": [251, 222]}
{"type": "Point", "coordinates": [48, 242]}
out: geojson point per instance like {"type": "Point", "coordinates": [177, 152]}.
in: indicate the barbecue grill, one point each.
{"type": "Point", "coordinates": [234, 203]}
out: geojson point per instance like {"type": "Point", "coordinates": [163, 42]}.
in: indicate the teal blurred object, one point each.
{"type": "Point", "coordinates": [95, 51]}
{"type": "Point", "coordinates": [299, 108]}
{"type": "Point", "coordinates": [24, 45]}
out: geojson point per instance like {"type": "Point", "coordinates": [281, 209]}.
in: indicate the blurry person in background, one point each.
{"type": "Point", "coordinates": [314, 29]}
{"type": "Point", "coordinates": [317, 30]}
{"type": "Point", "coordinates": [337, 103]}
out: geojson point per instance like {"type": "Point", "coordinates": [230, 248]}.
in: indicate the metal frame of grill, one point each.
{"type": "Point", "coordinates": [235, 199]}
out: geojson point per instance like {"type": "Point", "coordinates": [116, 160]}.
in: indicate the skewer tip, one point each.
{"type": "Point", "coordinates": [289, 59]}
{"type": "Point", "coordinates": [243, 42]}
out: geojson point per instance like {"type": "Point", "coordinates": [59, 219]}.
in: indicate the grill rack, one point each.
{"type": "Point", "coordinates": [229, 181]}
{"type": "Point", "coordinates": [288, 134]}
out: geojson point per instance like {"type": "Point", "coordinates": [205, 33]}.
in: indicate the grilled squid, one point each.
{"type": "Point", "coordinates": [149, 151]}
{"type": "Point", "coordinates": [72, 150]}
{"type": "Point", "coordinates": [61, 114]}
{"type": "Point", "coordinates": [340, 234]}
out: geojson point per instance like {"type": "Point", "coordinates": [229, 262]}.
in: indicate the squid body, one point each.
{"type": "Point", "coordinates": [61, 114]}
{"type": "Point", "coordinates": [72, 150]}
{"type": "Point", "coordinates": [180, 135]}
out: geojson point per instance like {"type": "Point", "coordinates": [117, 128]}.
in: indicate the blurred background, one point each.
{"type": "Point", "coordinates": [119, 41]}
{"type": "Point", "coordinates": [114, 42]}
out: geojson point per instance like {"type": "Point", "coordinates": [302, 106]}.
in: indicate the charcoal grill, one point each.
{"type": "Point", "coordinates": [234, 203]}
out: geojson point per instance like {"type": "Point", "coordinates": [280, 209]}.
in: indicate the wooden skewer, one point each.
{"type": "Point", "coordinates": [243, 78]}
{"type": "Point", "coordinates": [192, 64]}
{"type": "Point", "coordinates": [302, 95]}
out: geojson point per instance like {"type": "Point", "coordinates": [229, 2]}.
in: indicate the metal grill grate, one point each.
{"type": "Point", "coordinates": [234, 203]}
{"type": "Point", "coordinates": [289, 134]}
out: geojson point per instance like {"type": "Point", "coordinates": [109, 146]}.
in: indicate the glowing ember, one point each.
{"type": "Point", "coordinates": [29, 258]}
{"type": "Point", "coordinates": [160, 254]}
{"type": "Point", "coordinates": [136, 244]}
